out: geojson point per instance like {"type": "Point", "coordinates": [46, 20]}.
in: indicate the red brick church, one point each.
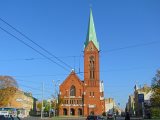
{"type": "Point", "coordinates": [84, 97]}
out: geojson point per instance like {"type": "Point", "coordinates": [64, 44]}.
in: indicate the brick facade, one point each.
{"type": "Point", "coordinates": [84, 97]}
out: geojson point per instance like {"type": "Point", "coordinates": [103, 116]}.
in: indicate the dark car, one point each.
{"type": "Point", "coordinates": [3, 117]}
{"type": "Point", "coordinates": [94, 117]}
{"type": "Point", "coordinates": [110, 116]}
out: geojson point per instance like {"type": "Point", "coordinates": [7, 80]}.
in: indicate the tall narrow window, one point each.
{"type": "Point", "coordinates": [80, 93]}
{"type": "Point", "coordinates": [92, 67]}
{"type": "Point", "coordinates": [72, 91]}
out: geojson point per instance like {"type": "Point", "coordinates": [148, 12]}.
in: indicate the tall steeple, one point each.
{"type": "Point", "coordinates": [93, 87]}
{"type": "Point", "coordinates": [91, 34]}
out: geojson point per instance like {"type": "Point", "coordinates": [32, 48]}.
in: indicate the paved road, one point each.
{"type": "Point", "coordinates": [55, 118]}
{"type": "Point", "coordinates": [72, 118]}
{"type": "Point", "coordinates": [122, 118]}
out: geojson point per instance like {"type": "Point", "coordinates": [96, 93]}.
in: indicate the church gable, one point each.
{"type": "Point", "coordinates": [72, 81]}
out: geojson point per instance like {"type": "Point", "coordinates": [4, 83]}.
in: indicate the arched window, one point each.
{"type": "Point", "coordinates": [72, 111]}
{"type": "Point", "coordinates": [64, 111]}
{"type": "Point", "coordinates": [79, 111]}
{"type": "Point", "coordinates": [92, 67]}
{"type": "Point", "coordinates": [72, 91]}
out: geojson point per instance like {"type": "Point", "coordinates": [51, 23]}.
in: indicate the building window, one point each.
{"type": "Point", "coordinates": [72, 91]}
{"type": "Point", "coordinates": [79, 111]}
{"type": "Point", "coordinates": [80, 92]}
{"type": "Point", "coordinates": [64, 111]}
{"type": "Point", "coordinates": [80, 101]}
{"type": "Point", "coordinates": [102, 94]}
{"type": "Point", "coordinates": [92, 66]}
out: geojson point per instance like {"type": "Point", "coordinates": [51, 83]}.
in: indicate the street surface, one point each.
{"type": "Point", "coordinates": [72, 118]}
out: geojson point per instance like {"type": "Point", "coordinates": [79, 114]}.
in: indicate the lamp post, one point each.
{"type": "Point", "coordinates": [55, 84]}
{"type": "Point", "coordinates": [42, 101]}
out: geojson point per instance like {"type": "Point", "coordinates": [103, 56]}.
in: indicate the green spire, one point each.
{"type": "Point", "coordinates": [91, 35]}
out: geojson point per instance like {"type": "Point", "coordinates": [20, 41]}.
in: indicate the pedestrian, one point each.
{"type": "Point", "coordinates": [127, 117]}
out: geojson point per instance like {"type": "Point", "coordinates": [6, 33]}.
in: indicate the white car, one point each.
{"type": "Point", "coordinates": [5, 113]}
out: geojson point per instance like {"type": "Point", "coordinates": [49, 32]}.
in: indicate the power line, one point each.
{"type": "Point", "coordinates": [26, 86]}
{"type": "Point", "coordinates": [109, 70]}
{"type": "Point", "coordinates": [132, 46]}
{"type": "Point", "coordinates": [38, 75]}
{"type": "Point", "coordinates": [33, 58]}
{"type": "Point", "coordinates": [31, 81]}
{"type": "Point", "coordinates": [73, 56]}
{"type": "Point", "coordinates": [35, 43]}
{"type": "Point", "coordinates": [33, 88]}
{"type": "Point", "coordinates": [33, 48]}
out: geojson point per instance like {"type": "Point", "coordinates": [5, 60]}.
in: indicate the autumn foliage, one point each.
{"type": "Point", "coordinates": [155, 99]}
{"type": "Point", "coordinates": [8, 88]}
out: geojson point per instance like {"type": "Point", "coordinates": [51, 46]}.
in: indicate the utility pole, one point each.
{"type": "Point", "coordinates": [49, 107]}
{"type": "Point", "coordinates": [42, 100]}
{"type": "Point", "coordinates": [55, 84]}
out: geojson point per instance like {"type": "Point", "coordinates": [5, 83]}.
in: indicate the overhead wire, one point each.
{"type": "Point", "coordinates": [33, 48]}
{"type": "Point", "coordinates": [26, 86]}
{"type": "Point", "coordinates": [35, 43]}
{"type": "Point", "coordinates": [116, 49]}
{"type": "Point", "coordinates": [73, 56]}
{"type": "Point", "coordinates": [110, 70]}
{"type": "Point", "coordinates": [20, 80]}
{"type": "Point", "coordinates": [37, 89]}
{"type": "Point", "coordinates": [131, 46]}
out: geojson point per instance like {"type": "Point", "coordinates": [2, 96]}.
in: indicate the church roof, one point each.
{"type": "Point", "coordinates": [72, 75]}
{"type": "Point", "coordinates": [91, 34]}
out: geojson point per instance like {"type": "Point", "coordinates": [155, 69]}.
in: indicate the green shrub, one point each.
{"type": "Point", "coordinates": [155, 112]}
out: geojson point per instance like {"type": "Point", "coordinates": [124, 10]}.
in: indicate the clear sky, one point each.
{"type": "Point", "coordinates": [128, 32]}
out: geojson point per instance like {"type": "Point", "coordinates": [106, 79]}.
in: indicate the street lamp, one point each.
{"type": "Point", "coordinates": [55, 84]}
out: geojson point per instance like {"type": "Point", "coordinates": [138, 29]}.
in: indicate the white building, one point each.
{"type": "Point", "coordinates": [109, 105]}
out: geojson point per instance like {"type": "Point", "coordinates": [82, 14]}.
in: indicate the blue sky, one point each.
{"type": "Point", "coordinates": [128, 32]}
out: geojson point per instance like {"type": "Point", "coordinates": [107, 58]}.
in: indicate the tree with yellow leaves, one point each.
{"type": "Point", "coordinates": [156, 90]}
{"type": "Point", "coordinates": [155, 98]}
{"type": "Point", "coordinates": [8, 87]}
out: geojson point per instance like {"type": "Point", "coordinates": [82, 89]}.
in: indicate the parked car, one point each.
{"type": "Point", "coordinates": [4, 113]}
{"type": "Point", "coordinates": [95, 117]}
{"type": "Point", "coordinates": [110, 116]}
{"type": "Point", "coordinates": [5, 117]}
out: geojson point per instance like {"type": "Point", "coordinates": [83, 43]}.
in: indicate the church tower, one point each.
{"type": "Point", "coordinates": [93, 87]}
{"type": "Point", "coordinates": [85, 97]}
